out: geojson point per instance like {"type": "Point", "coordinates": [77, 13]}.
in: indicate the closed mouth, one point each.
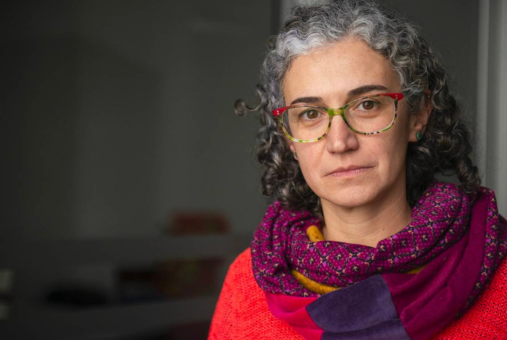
{"type": "Point", "coordinates": [348, 171]}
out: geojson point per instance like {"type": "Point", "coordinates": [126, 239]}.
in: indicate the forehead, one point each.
{"type": "Point", "coordinates": [332, 71]}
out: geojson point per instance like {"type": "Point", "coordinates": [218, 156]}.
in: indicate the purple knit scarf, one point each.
{"type": "Point", "coordinates": [439, 220]}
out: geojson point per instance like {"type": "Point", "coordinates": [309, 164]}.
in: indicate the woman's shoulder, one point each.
{"type": "Point", "coordinates": [242, 311]}
{"type": "Point", "coordinates": [241, 282]}
{"type": "Point", "coordinates": [243, 263]}
{"type": "Point", "coordinates": [240, 275]}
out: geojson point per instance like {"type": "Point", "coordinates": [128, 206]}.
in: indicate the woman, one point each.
{"type": "Point", "coordinates": [362, 242]}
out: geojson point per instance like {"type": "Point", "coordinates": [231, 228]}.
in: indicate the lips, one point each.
{"type": "Point", "coordinates": [349, 170]}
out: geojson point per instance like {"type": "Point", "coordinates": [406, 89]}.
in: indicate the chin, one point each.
{"type": "Point", "coordinates": [350, 197]}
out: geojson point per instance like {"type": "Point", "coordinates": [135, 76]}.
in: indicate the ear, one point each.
{"type": "Point", "coordinates": [419, 121]}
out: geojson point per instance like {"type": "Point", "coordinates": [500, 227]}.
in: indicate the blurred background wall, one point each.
{"type": "Point", "coordinates": [118, 115]}
{"type": "Point", "coordinates": [117, 112]}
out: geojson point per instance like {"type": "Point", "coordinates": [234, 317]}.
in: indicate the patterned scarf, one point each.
{"type": "Point", "coordinates": [444, 257]}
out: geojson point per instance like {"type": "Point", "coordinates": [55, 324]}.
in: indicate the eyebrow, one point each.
{"type": "Point", "coordinates": [309, 100]}
{"type": "Point", "coordinates": [352, 93]}
{"type": "Point", "coordinates": [365, 89]}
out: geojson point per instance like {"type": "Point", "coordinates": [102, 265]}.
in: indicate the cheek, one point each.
{"type": "Point", "coordinates": [394, 153]}
{"type": "Point", "coordinates": [387, 151]}
{"type": "Point", "coordinates": [309, 161]}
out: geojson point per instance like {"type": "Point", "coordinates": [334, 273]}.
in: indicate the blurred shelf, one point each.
{"type": "Point", "coordinates": [36, 264]}
{"type": "Point", "coordinates": [109, 321]}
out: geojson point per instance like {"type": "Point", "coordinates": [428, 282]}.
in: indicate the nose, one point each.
{"type": "Point", "coordinates": [340, 137]}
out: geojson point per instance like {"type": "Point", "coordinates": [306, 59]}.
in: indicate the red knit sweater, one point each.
{"type": "Point", "coordinates": [242, 312]}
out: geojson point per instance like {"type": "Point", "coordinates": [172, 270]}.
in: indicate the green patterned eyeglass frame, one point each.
{"type": "Point", "coordinates": [340, 112]}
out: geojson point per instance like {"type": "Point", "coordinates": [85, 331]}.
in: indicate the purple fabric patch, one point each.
{"type": "Point", "coordinates": [361, 311]}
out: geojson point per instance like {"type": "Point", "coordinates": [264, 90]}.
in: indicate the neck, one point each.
{"type": "Point", "coordinates": [366, 225]}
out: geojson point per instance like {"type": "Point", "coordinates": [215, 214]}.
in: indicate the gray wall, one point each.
{"type": "Point", "coordinates": [117, 113]}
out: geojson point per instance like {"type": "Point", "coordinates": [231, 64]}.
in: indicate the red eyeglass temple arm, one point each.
{"type": "Point", "coordinates": [395, 96]}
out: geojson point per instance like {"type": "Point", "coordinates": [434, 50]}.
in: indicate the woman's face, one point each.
{"type": "Point", "coordinates": [346, 169]}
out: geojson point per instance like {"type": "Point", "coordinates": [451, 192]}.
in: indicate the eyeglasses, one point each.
{"type": "Point", "coordinates": [366, 116]}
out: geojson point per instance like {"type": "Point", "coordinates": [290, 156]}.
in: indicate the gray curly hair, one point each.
{"type": "Point", "coordinates": [445, 147]}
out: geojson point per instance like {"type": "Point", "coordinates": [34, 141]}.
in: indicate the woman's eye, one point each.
{"type": "Point", "coordinates": [311, 114]}
{"type": "Point", "coordinates": [367, 105]}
